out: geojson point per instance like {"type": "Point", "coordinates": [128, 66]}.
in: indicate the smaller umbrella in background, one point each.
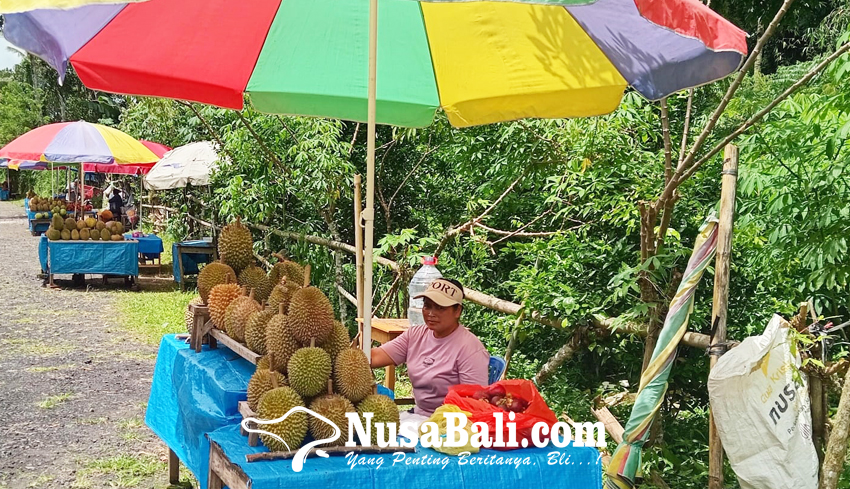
{"type": "Point", "coordinates": [126, 169]}
{"type": "Point", "coordinates": [186, 165]}
{"type": "Point", "coordinates": [13, 6]}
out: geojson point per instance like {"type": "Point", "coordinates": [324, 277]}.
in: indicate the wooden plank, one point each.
{"type": "Point", "coordinates": [173, 467]}
{"type": "Point", "coordinates": [180, 267]}
{"type": "Point", "coordinates": [223, 471]}
{"type": "Point", "coordinates": [238, 348]}
{"type": "Point", "coordinates": [720, 302]}
{"type": "Point", "coordinates": [247, 412]}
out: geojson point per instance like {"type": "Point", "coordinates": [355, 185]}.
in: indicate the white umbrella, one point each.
{"type": "Point", "coordinates": [187, 165]}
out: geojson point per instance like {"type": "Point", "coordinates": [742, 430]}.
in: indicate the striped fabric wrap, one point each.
{"type": "Point", "coordinates": [626, 461]}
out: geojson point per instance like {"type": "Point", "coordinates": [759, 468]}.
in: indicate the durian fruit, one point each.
{"type": "Point", "coordinates": [57, 223]}
{"type": "Point", "coordinates": [261, 382]}
{"type": "Point", "coordinates": [65, 234]}
{"type": "Point", "coordinates": [352, 374]}
{"type": "Point", "coordinates": [338, 341]}
{"type": "Point", "coordinates": [309, 369]}
{"type": "Point", "coordinates": [333, 407]}
{"type": "Point", "coordinates": [279, 340]}
{"type": "Point", "coordinates": [255, 330]}
{"type": "Point", "coordinates": [190, 318]}
{"type": "Point", "coordinates": [282, 294]}
{"type": "Point", "coordinates": [274, 404]}
{"type": "Point", "coordinates": [236, 316]}
{"type": "Point", "coordinates": [213, 274]}
{"type": "Point", "coordinates": [256, 279]}
{"type": "Point", "coordinates": [220, 297]}
{"type": "Point", "coordinates": [118, 227]}
{"type": "Point", "coordinates": [384, 409]}
{"type": "Point", "coordinates": [80, 225]}
{"type": "Point", "coordinates": [236, 246]}
{"type": "Point", "coordinates": [117, 237]}
{"type": "Point", "coordinates": [105, 235]}
{"type": "Point", "coordinates": [293, 272]}
{"type": "Point", "coordinates": [75, 235]}
{"type": "Point", "coordinates": [70, 224]}
{"type": "Point", "coordinates": [84, 234]}
{"type": "Point", "coordinates": [90, 222]}
{"type": "Point", "coordinates": [312, 315]}
{"type": "Point", "coordinates": [94, 234]}
{"type": "Point", "coordinates": [100, 225]}
{"type": "Point", "coordinates": [52, 234]}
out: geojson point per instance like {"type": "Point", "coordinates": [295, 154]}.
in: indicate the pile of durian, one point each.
{"type": "Point", "coordinates": [307, 359]}
{"type": "Point", "coordinates": [85, 229]}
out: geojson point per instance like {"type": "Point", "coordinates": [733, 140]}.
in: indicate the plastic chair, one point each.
{"type": "Point", "coordinates": [496, 369]}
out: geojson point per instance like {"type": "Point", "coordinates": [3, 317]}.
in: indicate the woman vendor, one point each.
{"type": "Point", "coordinates": [440, 353]}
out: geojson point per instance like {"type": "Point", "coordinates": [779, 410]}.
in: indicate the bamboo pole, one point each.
{"type": "Point", "coordinates": [369, 213]}
{"type": "Point", "coordinates": [358, 245]}
{"type": "Point", "coordinates": [721, 299]}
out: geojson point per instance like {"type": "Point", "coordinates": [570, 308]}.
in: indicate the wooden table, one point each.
{"type": "Point", "coordinates": [383, 331]}
{"type": "Point", "coordinates": [182, 248]}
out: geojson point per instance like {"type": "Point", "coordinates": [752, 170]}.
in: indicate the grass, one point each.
{"type": "Point", "coordinates": [118, 471]}
{"type": "Point", "coordinates": [36, 370]}
{"type": "Point", "coordinates": [149, 315]}
{"type": "Point", "coordinates": [53, 401]}
{"type": "Point", "coordinates": [93, 421]}
{"type": "Point", "coordinates": [129, 428]}
{"type": "Point", "coordinates": [30, 347]}
{"type": "Point", "coordinates": [41, 480]}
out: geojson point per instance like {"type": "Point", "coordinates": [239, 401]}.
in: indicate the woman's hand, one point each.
{"type": "Point", "coordinates": [380, 358]}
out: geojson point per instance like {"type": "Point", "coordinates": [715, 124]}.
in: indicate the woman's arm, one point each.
{"type": "Point", "coordinates": [380, 358]}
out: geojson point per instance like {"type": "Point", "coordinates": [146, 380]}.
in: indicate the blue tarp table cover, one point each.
{"type": "Point", "coordinates": [148, 245]}
{"type": "Point", "coordinates": [101, 257]}
{"type": "Point", "coordinates": [193, 394]}
{"type": "Point", "coordinates": [190, 260]}
{"type": "Point", "coordinates": [194, 398]}
{"type": "Point", "coordinates": [4, 195]}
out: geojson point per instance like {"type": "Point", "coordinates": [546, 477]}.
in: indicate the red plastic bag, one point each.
{"type": "Point", "coordinates": [482, 411]}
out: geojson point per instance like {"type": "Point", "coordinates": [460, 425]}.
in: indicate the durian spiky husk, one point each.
{"type": "Point", "coordinates": [338, 341]}
{"type": "Point", "coordinates": [255, 330]}
{"type": "Point", "coordinates": [384, 409]}
{"type": "Point", "coordinates": [333, 407]}
{"type": "Point", "coordinates": [312, 316]}
{"type": "Point", "coordinates": [282, 294]}
{"type": "Point", "coordinates": [213, 274]}
{"type": "Point", "coordinates": [293, 272]}
{"type": "Point", "coordinates": [308, 370]}
{"type": "Point", "coordinates": [352, 374]}
{"type": "Point", "coordinates": [274, 404]}
{"type": "Point", "coordinates": [279, 340]}
{"type": "Point", "coordinates": [256, 279]}
{"type": "Point", "coordinates": [190, 318]}
{"type": "Point", "coordinates": [236, 316]}
{"type": "Point", "coordinates": [261, 382]}
{"type": "Point", "coordinates": [220, 297]}
{"type": "Point", "coordinates": [236, 246]}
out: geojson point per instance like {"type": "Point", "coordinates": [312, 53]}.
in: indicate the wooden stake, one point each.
{"type": "Point", "coordinates": [836, 448]}
{"type": "Point", "coordinates": [721, 298]}
{"type": "Point", "coordinates": [509, 352]}
{"type": "Point", "coordinates": [307, 275]}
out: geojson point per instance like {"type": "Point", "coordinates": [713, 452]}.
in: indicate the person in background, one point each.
{"type": "Point", "coordinates": [440, 353]}
{"type": "Point", "coordinates": [116, 203]}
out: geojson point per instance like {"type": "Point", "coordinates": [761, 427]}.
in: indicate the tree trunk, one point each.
{"type": "Point", "coordinates": [339, 276]}
{"type": "Point", "coordinates": [836, 449]}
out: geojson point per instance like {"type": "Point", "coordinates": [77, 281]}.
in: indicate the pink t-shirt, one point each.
{"type": "Point", "coordinates": [434, 364]}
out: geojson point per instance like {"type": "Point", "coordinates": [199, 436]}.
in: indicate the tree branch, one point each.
{"type": "Point", "coordinates": [721, 107]}
{"type": "Point", "coordinates": [668, 146]}
{"type": "Point", "coordinates": [262, 144]}
{"type": "Point", "coordinates": [757, 117]}
{"type": "Point", "coordinates": [686, 131]}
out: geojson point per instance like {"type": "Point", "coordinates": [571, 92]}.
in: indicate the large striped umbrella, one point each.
{"type": "Point", "coordinates": [479, 62]}
{"type": "Point", "coordinates": [76, 142]}
{"type": "Point", "coordinates": [626, 460]}
{"type": "Point", "coordinates": [10, 6]}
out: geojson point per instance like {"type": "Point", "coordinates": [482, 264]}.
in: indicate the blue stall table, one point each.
{"type": "Point", "coordinates": [187, 255]}
{"type": "Point", "coordinates": [81, 257]}
{"type": "Point", "coordinates": [4, 194]}
{"type": "Point", "coordinates": [150, 250]}
{"type": "Point", "coordinates": [194, 400]}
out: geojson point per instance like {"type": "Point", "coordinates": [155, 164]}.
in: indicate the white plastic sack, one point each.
{"type": "Point", "coordinates": [762, 415]}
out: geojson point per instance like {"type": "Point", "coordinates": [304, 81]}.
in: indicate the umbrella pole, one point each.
{"type": "Point", "coordinates": [369, 212]}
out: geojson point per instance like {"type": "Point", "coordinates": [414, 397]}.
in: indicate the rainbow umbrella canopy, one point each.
{"type": "Point", "coordinates": [480, 62]}
{"type": "Point", "coordinates": [125, 169]}
{"type": "Point", "coordinates": [75, 142]}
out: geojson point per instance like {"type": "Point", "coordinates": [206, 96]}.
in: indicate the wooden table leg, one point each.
{"type": "Point", "coordinates": [224, 472]}
{"type": "Point", "coordinates": [180, 267]}
{"type": "Point", "coordinates": [389, 381]}
{"type": "Point", "coordinates": [173, 467]}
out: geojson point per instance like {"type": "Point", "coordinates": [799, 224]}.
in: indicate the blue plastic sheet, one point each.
{"type": "Point", "coordinates": [193, 394]}
{"type": "Point", "coordinates": [574, 468]}
{"type": "Point", "coordinates": [190, 260]}
{"type": "Point", "coordinates": [4, 195]}
{"type": "Point", "coordinates": [101, 257]}
{"type": "Point", "coordinates": [194, 397]}
{"type": "Point", "coordinates": [150, 245]}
